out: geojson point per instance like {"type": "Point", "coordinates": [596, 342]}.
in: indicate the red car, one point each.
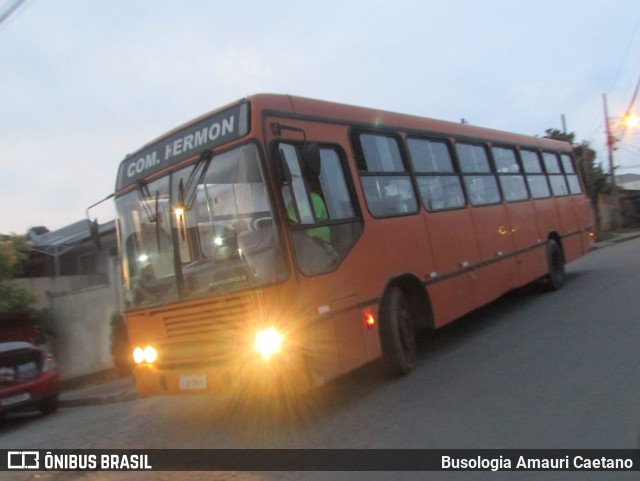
{"type": "Point", "coordinates": [28, 378]}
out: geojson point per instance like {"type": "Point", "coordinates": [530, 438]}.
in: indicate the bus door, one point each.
{"type": "Point", "coordinates": [450, 228]}
{"type": "Point", "coordinates": [581, 218]}
{"type": "Point", "coordinates": [324, 223]}
{"type": "Point", "coordinates": [568, 226]}
{"type": "Point", "coordinates": [546, 212]}
{"type": "Point", "coordinates": [497, 268]}
{"type": "Point", "coordinates": [530, 253]}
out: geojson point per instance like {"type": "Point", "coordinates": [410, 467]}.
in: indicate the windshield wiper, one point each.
{"type": "Point", "coordinates": [187, 193]}
{"type": "Point", "coordinates": [144, 195]}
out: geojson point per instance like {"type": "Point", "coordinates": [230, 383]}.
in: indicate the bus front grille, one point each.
{"type": "Point", "coordinates": [217, 318]}
{"type": "Point", "coordinates": [207, 332]}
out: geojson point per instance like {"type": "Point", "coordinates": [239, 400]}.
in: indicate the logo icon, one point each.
{"type": "Point", "coordinates": [23, 460]}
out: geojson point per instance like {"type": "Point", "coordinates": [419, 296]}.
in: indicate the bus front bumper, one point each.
{"type": "Point", "coordinates": [265, 378]}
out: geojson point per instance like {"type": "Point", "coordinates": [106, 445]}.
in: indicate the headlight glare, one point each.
{"type": "Point", "coordinates": [148, 355]}
{"type": "Point", "coordinates": [268, 342]}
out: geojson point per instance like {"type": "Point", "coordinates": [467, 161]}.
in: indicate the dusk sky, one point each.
{"type": "Point", "coordinates": [83, 83]}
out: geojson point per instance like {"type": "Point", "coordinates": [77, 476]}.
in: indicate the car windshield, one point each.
{"type": "Point", "coordinates": [207, 228]}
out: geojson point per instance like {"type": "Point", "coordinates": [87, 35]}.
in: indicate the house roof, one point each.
{"type": "Point", "coordinates": [59, 241]}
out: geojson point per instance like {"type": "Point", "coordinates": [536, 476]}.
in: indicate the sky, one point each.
{"type": "Point", "coordinates": [83, 83]}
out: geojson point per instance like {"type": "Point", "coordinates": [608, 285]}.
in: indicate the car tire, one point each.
{"type": "Point", "coordinates": [49, 405]}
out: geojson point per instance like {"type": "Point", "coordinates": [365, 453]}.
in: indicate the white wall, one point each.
{"type": "Point", "coordinates": [82, 322]}
{"type": "Point", "coordinates": [82, 313]}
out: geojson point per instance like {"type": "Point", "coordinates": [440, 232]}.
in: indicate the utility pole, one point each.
{"type": "Point", "coordinates": [611, 141]}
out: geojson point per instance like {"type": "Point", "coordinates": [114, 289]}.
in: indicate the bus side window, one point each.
{"type": "Point", "coordinates": [509, 174]}
{"type": "Point", "coordinates": [386, 181]}
{"type": "Point", "coordinates": [556, 178]}
{"type": "Point", "coordinates": [572, 177]}
{"type": "Point", "coordinates": [536, 180]}
{"type": "Point", "coordinates": [439, 184]}
{"type": "Point", "coordinates": [322, 217]}
{"type": "Point", "coordinates": [481, 184]}
{"type": "Point", "coordinates": [295, 193]}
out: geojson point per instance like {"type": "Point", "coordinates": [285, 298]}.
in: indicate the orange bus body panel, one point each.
{"type": "Point", "coordinates": [454, 261]}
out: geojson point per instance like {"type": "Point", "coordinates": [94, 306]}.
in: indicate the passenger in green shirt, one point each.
{"type": "Point", "coordinates": [320, 212]}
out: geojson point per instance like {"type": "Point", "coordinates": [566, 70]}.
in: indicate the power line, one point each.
{"type": "Point", "coordinates": [626, 55]}
{"type": "Point", "coordinates": [631, 104]}
{"type": "Point", "coordinates": [11, 9]}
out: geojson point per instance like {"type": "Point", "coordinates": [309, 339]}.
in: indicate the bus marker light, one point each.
{"type": "Point", "coordinates": [324, 310]}
{"type": "Point", "coordinates": [369, 320]}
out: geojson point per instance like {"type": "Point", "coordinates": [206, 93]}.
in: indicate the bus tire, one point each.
{"type": "Point", "coordinates": [555, 261]}
{"type": "Point", "coordinates": [397, 333]}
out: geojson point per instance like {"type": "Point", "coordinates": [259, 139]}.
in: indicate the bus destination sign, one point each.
{"type": "Point", "coordinates": [217, 129]}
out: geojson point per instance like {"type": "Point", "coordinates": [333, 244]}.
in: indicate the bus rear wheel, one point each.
{"type": "Point", "coordinates": [397, 333]}
{"type": "Point", "coordinates": [555, 261]}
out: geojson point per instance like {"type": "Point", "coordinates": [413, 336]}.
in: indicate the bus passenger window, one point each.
{"type": "Point", "coordinates": [439, 185]}
{"type": "Point", "coordinates": [480, 183]}
{"type": "Point", "coordinates": [385, 180]}
{"type": "Point", "coordinates": [556, 179]}
{"type": "Point", "coordinates": [572, 178]}
{"type": "Point", "coordinates": [509, 174]}
{"type": "Point", "coordinates": [536, 180]}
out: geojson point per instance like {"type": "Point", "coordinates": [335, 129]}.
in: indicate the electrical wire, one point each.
{"type": "Point", "coordinates": [10, 10]}
{"type": "Point", "coordinates": [626, 55]}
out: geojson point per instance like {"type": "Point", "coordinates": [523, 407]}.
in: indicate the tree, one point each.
{"type": "Point", "coordinates": [13, 298]}
{"type": "Point", "coordinates": [560, 135]}
{"type": "Point", "coordinates": [13, 254]}
{"type": "Point", "coordinates": [594, 178]}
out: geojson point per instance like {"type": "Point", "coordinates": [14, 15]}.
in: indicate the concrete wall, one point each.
{"type": "Point", "coordinates": [82, 322]}
{"type": "Point", "coordinates": [82, 308]}
{"type": "Point", "coordinates": [605, 211]}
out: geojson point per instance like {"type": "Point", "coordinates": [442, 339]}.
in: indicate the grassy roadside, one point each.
{"type": "Point", "coordinates": [612, 234]}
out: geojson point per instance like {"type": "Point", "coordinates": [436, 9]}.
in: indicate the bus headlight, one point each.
{"type": "Point", "coordinates": [268, 342]}
{"type": "Point", "coordinates": [148, 355]}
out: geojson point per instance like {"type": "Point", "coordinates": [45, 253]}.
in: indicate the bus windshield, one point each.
{"type": "Point", "coordinates": [207, 228]}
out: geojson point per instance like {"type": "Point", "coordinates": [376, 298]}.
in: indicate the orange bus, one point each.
{"type": "Point", "coordinates": [279, 242]}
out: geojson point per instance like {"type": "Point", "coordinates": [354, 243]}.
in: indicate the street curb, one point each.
{"type": "Point", "coordinates": [616, 240]}
{"type": "Point", "coordinates": [97, 400]}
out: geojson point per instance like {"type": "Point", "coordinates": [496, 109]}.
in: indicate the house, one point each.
{"type": "Point", "coordinates": [629, 199]}
{"type": "Point", "coordinates": [82, 248]}
{"type": "Point", "coordinates": [75, 271]}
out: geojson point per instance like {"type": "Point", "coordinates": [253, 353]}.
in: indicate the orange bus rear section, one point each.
{"type": "Point", "coordinates": [392, 261]}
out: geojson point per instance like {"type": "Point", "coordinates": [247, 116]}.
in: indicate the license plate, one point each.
{"type": "Point", "coordinates": [18, 398]}
{"type": "Point", "coordinates": [193, 382]}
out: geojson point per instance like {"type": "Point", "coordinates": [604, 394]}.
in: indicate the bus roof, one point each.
{"type": "Point", "coordinates": [381, 119]}
{"type": "Point", "coordinates": [232, 121]}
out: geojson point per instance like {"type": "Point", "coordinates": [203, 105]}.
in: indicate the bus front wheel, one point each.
{"type": "Point", "coordinates": [397, 333]}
